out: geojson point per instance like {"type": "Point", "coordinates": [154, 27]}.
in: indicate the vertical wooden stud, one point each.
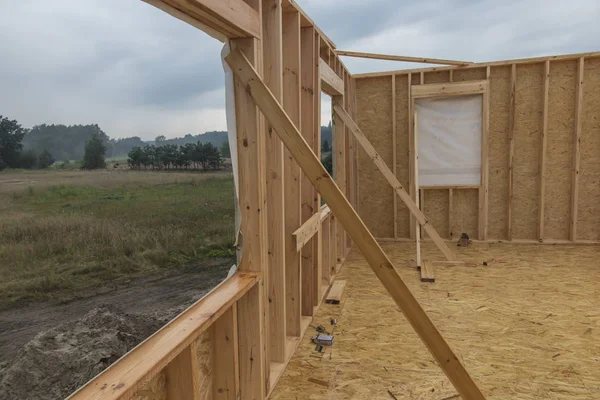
{"type": "Point", "coordinates": [450, 211]}
{"type": "Point", "coordinates": [577, 150]}
{"type": "Point", "coordinates": [416, 183]}
{"type": "Point", "coordinates": [183, 375]}
{"type": "Point", "coordinates": [483, 190]}
{"type": "Point", "coordinates": [411, 150]}
{"type": "Point", "coordinates": [511, 152]}
{"type": "Point", "coordinates": [394, 157]}
{"type": "Point", "coordinates": [251, 338]}
{"type": "Point", "coordinates": [316, 121]}
{"type": "Point", "coordinates": [541, 206]}
{"type": "Point", "coordinates": [292, 172]}
{"type": "Point", "coordinates": [325, 229]}
{"type": "Point", "coordinates": [225, 371]}
{"type": "Point", "coordinates": [309, 58]}
{"type": "Point", "coordinates": [272, 57]}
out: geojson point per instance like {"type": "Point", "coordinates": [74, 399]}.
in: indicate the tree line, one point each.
{"type": "Point", "coordinates": [188, 156]}
{"type": "Point", "coordinates": [12, 154]}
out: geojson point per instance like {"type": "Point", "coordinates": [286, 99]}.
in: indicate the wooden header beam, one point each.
{"type": "Point", "coordinates": [345, 213]}
{"type": "Point", "coordinates": [221, 19]}
{"type": "Point", "coordinates": [331, 83]}
{"type": "Point", "coordinates": [376, 56]}
{"type": "Point", "coordinates": [449, 89]}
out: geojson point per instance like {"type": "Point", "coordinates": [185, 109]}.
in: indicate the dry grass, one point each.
{"type": "Point", "coordinates": [64, 233]}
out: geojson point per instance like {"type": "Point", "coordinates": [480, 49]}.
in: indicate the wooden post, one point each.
{"type": "Point", "coordinates": [252, 193]}
{"type": "Point", "coordinates": [394, 158]}
{"type": "Point", "coordinates": [511, 152]}
{"type": "Point", "coordinates": [417, 190]}
{"type": "Point", "coordinates": [339, 205]}
{"type": "Point", "coordinates": [577, 150]}
{"type": "Point", "coordinates": [183, 375]}
{"type": "Point", "coordinates": [326, 234]}
{"type": "Point", "coordinates": [541, 210]}
{"type": "Point", "coordinates": [485, 162]}
{"type": "Point", "coordinates": [272, 56]}
{"type": "Point", "coordinates": [338, 168]}
{"type": "Point", "coordinates": [450, 211]}
{"type": "Point", "coordinates": [225, 371]}
{"type": "Point", "coordinates": [292, 172]}
{"type": "Point", "coordinates": [316, 121]}
{"type": "Point", "coordinates": [411, 147]}
{"type": "Point", "coordinates": [310, 279]}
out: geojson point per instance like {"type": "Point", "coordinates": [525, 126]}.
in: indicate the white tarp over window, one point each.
{"type": "Point", "coordinates": [449, 140]}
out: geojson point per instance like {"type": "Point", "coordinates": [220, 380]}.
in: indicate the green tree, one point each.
{"type": "Point", "coordinates": [328, 163]}
{"type": "Point", "coordinates": [225, 150]}
{"type": "Point", "coordinates": [28, 159]}
{"type": "Point", "coordinates": [45, 159]}
{"type": "Point", "coordinates": [160, 138]}
{"type": "Point", "coordinates": [325, 148]}
{"type": "Point", "coordinates": [95, 150]}
{"type": "Point", "coordinates": [11, 136]}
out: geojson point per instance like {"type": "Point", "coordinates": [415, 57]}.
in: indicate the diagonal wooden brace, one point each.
{"type": "Point", "coordinates": [396, 185]}
{"type": "Point", "coordinates": [343, 210]}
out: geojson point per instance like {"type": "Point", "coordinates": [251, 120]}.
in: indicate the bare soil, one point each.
{"type": "Point", "coordinates": [48, 349]}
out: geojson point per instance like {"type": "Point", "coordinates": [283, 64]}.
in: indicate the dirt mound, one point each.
{"type": "Point", "coordinates": [58, 361]}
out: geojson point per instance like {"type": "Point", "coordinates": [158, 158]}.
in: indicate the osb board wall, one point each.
{"type": "Point", "coordinates": [373, 93]}
{"type": "Point", "coordinates": [374, 100]}
{"type": "Point", "coordinates": [588, 217]}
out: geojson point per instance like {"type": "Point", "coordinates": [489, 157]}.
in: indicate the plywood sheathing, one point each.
{"type": "Point", "coordinates": [588, 217]}
{"type": "Point", "coordinates": [402, 151]}
{"type": "Point", "coordinates": [435, 207]}
{"type": "Point", "coordinates": [437, 77]}
{"type": "Point", "coordinates": [374, 99]}
{"type": "Point", "coordinates": [472, 74]}
{"type": "Point", "coordinates": [559, 151]}
{"type": "Point", "coordinates": [529, 95]}
{"type": "Point", "coordinates": [498, 152]}
{"type": "Point", "coordinates": [464, 217]}
{"type": "Point", "coordinates": [522, 338]}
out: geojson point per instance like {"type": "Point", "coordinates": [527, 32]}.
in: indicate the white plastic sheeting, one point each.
{"type": "Point", "coordinates": [449, 140]}
{"type": "Point", "coordinates": [232, 137]}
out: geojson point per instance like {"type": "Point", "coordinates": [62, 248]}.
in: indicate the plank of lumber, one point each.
{"type": "Point", "coordinates": [360, 234]}
{"type": "Point", "coordinates": [293, 175]}
{"type": "Point", "coordinates": [272, 56]}
{"type": "Point", "coordinates": [172, 11]}
{"type": "Point", "coordinates": [335, 293]}
{"type": "Point", "coordinates": [427, 272]}
{"type": "Point", "coordinates": [234, 18]}
{"type": "Point", "coordinates": [522, 61]}
{"type": "Point", "coordinates": [396, 185]}
{"type": "Point", "coordinates": [140, 365]}
{"type": "Point", "coordinates": [541, 210]}
{"type": "Point", "coordinates": [449, 89]}
{"type": "Point", "coordinates": [225, 358]}
{"type": "Point", "coordinates": [423, 60]}
{"type": "Point", "coordinates": [331, 83]}
{"type": "Point", "coordinates": [577, 151]}
{"type": "Point", "coordinates": [511, 152]}
{"type": "Point", "coordinates": [183, 375]}
{"type": "Point", "coordinates": [456, 263]}
{"type": "Point", "coordinates": [303, 234]}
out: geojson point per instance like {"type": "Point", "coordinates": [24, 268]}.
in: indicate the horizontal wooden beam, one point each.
{"type": "Point", "coordinates": [221, 37]}
{"type": "Point", "coordinates": [343, 211]}
{"type": "Point", "coordinates": [308, 229]}
{"type": "Point", "coordinates": [122, 379]}
{"type": "Point", "coordinates": [331, 83]}
{"type": "Point", "coordinates": [449, 89]}
{"type": "Point", "coordinates": [393, 181]}
{"type": "Point", "coordinates": [230, 18]}
{"type": "Point", "coordinates": [422, 60]}
{"type": "Point", "coordinates": [534, 60]}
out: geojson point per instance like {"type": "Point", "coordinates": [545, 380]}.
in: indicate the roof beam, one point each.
{"type": "Point", "coordinates": [375, 56]}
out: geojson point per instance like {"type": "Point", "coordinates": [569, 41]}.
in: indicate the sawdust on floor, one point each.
{"type": "Point", "coordinates": [526, 327]}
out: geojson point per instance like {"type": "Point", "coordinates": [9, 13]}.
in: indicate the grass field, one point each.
{"type": "Point", "coordinates": [65, 233]}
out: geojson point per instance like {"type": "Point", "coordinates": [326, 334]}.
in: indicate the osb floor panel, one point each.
{"type": "Point", "coordinates": [526, 327]}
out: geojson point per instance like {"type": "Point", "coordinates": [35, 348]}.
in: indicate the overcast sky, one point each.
{"type": "Point", "coordinates": [137, 71]}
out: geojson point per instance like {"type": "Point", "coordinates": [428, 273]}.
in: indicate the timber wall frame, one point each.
{"type": "Point", "coordinates": [236, 341]}
{"type": "Point", "coordinates": [542, 156]}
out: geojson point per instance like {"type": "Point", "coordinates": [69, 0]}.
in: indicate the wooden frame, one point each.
{"type": "Point", "coordinates": [400, 58]}
{"type": "Point", "coordinates": [454, 89]}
